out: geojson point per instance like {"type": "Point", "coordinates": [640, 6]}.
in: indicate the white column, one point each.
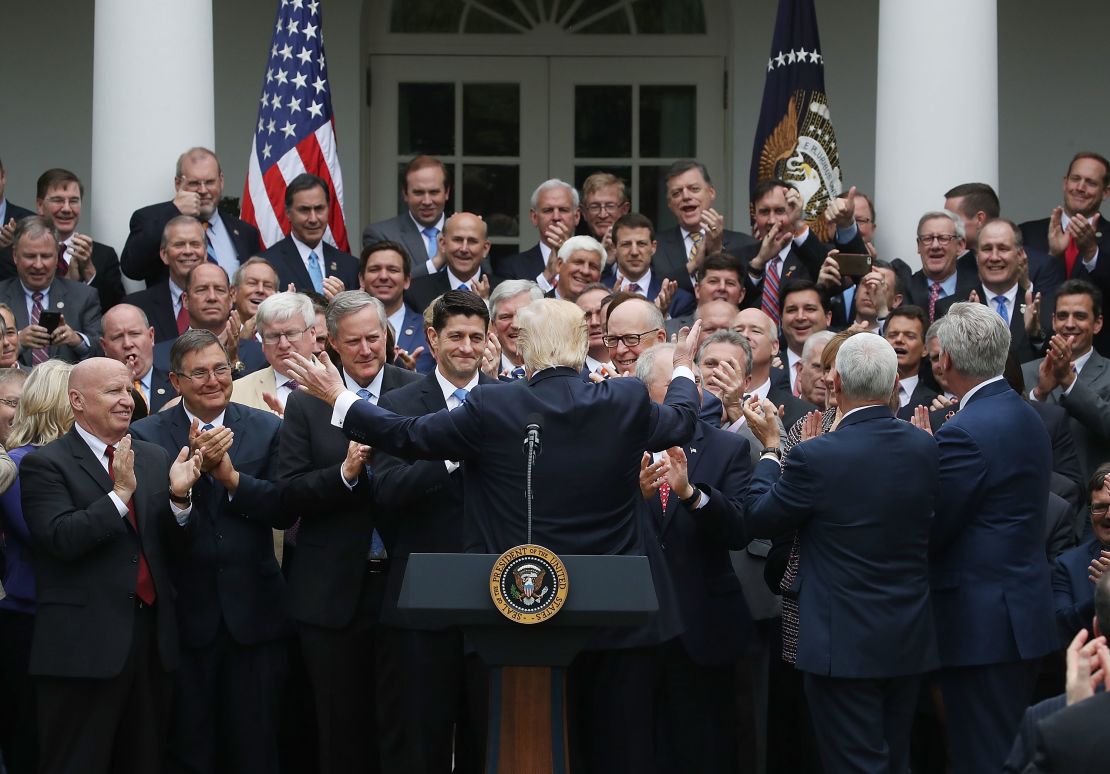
{"type": "Point", "coordinates": [152, 99]}
{"type": "Point", "coordinates": [936, 112]}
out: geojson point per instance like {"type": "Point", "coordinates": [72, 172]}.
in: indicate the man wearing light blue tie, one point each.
{"type": "Point", "coordinates": [304, 259]}
{"type": "Point", "coordinates": [425, 191]}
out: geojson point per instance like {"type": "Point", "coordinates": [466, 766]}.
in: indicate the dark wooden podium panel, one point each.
{"type": "Point", "coordinates": [530, 737]}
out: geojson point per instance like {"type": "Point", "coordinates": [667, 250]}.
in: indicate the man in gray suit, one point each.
{"type": "Point", "coordinates": [1073, 374]}
{"type": "Point", "coordinates": [425, 191]}
{"type": "Point", "coordinates": [36, 293]}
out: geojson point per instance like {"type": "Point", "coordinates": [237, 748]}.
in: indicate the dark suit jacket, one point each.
{"type": "Point", "coordinates": [15, 211]}
{"type": "Point", "coordinates": [715, 617]}
{"type": "Point", "coordinates": [1024, 348]}
{"type": "Point", "coordinates": [921, 396]}
{"type": "Point", "coordinates": [593, 511]}
{"type": "Point", "coordinates": [1072, 590]}
{"type": "Point", "coordinates": [424, 290]}
{"type": "Point", "coordinates": [285, 259]}
{"type": "Point", "coordinates": [157, 302]}
{"type": "Point", "coordinates": [670, 253]}
{"type": "Point", "coordinates": [1088, 408]}
{"type": "Point", "coordinates": [856, 544]}
{"type": "Point", "coordinates": [527, 265]}
{"type": "Point", "coordinates": [250, 354]}
{"type": "Point", "coordinates": [76, 300]}
{"type": "Point", "coordinates": [1023, 748]}
{"type": "Point", "coordinates": [992, 597]}
{"type": "Point", "coordinates": [86, 558]}
{"type": "Point", "coordinates": [229, 572]}
{"type": "Point", "coordinates": [336, 522]}
{"type": "Point", "coordinates": [401, 229]}
{"type": "Point", "coordinates": [107, 282]}
{"type": "Point", "coordinates": [917, 289]}
{"type": "Point", "coordinates": [682, 303]}
{"type": "Point", "coordinates": [421, 505]}
{"type": "Point", "coordinates": [140, 259]}
{"type": "Point", "coordinates": [412, 336]}
{"type": "Point", "coordinates": [1071, 740]}
{"type": "Point", "coordinates": [161, 391]}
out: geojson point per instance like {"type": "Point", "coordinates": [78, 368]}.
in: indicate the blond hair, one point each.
{"type": "Point", "coordinates": [553, 333]}
{"type": "Point", "coordinates": [44, 413]}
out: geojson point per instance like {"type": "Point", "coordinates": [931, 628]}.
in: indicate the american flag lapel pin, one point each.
{"type": "Point", "coordinates": [332, 266]}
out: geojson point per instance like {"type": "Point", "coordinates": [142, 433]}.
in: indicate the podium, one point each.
{"type": "Point", "coordinates": [526, 731]}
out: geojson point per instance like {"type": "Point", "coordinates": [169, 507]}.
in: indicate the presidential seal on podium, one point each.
{"type": "Point", "coordinates": [528, 584]}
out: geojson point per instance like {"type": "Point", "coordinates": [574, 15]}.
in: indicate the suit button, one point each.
{"type": "Point", "coordinates": [134, 560]}
{"type": "Point", "coordinates": [219, 537]}
{"type": "Point", "coordinates": [131, 595]}
{"type": "Point", "coordinates": [663, 546]}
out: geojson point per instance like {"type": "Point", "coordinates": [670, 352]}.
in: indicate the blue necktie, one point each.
{"type": "Point", "coordinates": [208, 241]}
{"type": "Point", "coordinates": [431, 236]}
{"type": "Point", "coordinates": [1000, 302]}
{"type": "Point", "coordinates": [463, 286]}
{"type": "Point", "coordinates": [315, 273]}
{"type": "Point", "coordinates": [460, 394]}
{"type": "Point", "coordinates": [377, 547]}
{"type": "Point", "coordinates": [209, 426]}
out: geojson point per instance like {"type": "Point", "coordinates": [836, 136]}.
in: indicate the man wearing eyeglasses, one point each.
{"type": "Point", "coordinates": [198, 184]}
{"type": "Point", "coordinates": [604, 200]}
{"type": "Point", "coordinates": [231, 610]}
{"type": "Point", "coordinates": [940, 241]}
{"type": "Point", "coordinates": [287, 323]}
{"type": "Point", "coordinates": [59, 197]}
{"type": "Point", "coordinates": [634, 325]}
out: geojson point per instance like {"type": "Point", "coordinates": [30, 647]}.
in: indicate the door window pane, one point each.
{"type": "Point", "coordinates": [603, 121]}
{"type": "Point", "coordinates": [662, 17]}
{"type": "Point", "coordinates": [493, 191]}
{"type": "Point", "coordinates": [491, 119]}
{"type": "Point", "coordinates": [668, 121]}
{"type": "Point", "coordinates": [426, 118]}
{"type": "Point", "coordinates": [653, 196]}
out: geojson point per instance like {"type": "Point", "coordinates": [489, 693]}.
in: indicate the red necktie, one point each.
{"type": "Point", "coordinates": [770, 300]}
{"type": "Point", "coordinates": [934, 294]}
{"type": "Point", "coordinates": [1070, 255]}
{"type": "Point", "coordinates": [144, 585]}
{"type": "Point", "coordinates": [182, 320]}
{"type": "Point", "coordinates": [664, 495]}
{"type": "Point", "coordinates": [63, 264]}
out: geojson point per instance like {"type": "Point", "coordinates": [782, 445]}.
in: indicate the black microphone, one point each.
{"type": "Point", "coordinates": [535, 423]}
{"type": "Point", "coordinates": [532, 431]}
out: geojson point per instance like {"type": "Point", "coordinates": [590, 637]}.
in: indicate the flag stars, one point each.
{"type": "Point", "coordinates": [270, 127]}
{"type": "Point", "coordinates": [814, 57]}
{"type": "Point", "coordinates": [298, 4]}
{"type": "Point", "coordinates": [313, 6]}
{"type": "Point", "coordinates": [320, 61]}
{"type": "Point", "coordinates": [299, 80]}
{"type": "Point", "coordinates": [292, 27]}
{"type": "Point", "coordinates": [304, 56]}
{"type": "Point", "coordinates": [780, 60]}
{"type": "Point", "coordinates": [801, 56]}
{"type": "Point", "coordinates": [316, 110]}
{"type": "Point", "coordinates": [266, 150]}
{"type": "Point", "coordinates": [294, 106]}
{"type": "Point", "coordinates": [319, 84]}
{"type": "Point", "coordinates": [770, 65]}
{"type": "Point", "coordinates": [282, 77]}
{"type": "Point", "coordinates": [790, 57]}
{"type": "Point", "coordinates": [269, 75]}
{"type": "Point", "coordinates": [261, 125]}
{"type": "Point", "coordinates": [274, 51]}
{"type": "Point", "coordinates": [276, 102]}
{"type": "Point", "coordinates": [287, 52]}
{"type": "Point", "coordinates": [265, 99]}
{"type": "Point", "coordinates": [310, 31]}
{"type": "Point", "coordinates": [289, 129]}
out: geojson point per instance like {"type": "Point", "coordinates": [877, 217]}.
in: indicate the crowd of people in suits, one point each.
{"type": "Point", "coordinates": [874, 499]}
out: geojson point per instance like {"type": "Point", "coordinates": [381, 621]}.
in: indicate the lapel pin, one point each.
{"type": "Point", "coordinates": [161, 390]}
{"type": "Point", "coordinates": [60, 305]}
{"type": "Point", "coordinates": [693, 450]}
{"type": "Point", "coordinates": [408, 331]}
{"type": "Point", "coordinates": [332, 266]}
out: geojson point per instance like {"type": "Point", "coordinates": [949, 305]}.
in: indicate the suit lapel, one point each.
{"type": "Point", "coordinates": [432, 396]}
{"type": "Point", "coordinates": [89, 463]}
{"type": "Point", "coordinates": [1093, 369]}
{"type": "Point", "coordinates": [413, 239]}
{"type": "Point", "coordinates": [296, 265]}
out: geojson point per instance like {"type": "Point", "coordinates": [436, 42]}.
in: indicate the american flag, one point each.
{"type": "Point", "coordinates": [296, 127]}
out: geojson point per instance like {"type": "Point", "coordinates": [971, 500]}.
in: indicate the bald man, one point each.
{"type": "Point", "coordinates": [128, 337]}
{"type": "Point", "coordinates": [464, 244]}
{"type": "Point", "coordinates": [102, 510]}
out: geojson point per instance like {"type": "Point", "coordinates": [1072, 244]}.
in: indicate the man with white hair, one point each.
{"type": "Point", "coordinates": [861, 665]}
{"type": "Point", "coordinates": [555, 215]}
{"type": "Point", "coordinates": [286, 322]}
{"type": "Point", "coordinates": [940, 241]}
{"type": "Point", "coordinates": [812, 376]}
{"type": "Point", "coordinates": [504, 302]}
{"type": "Point", "coordinates": [581, 262]}
{"type": "Point", "coordinates": [592, 512]}
{"type": "Point", "coordinates": [992, 596]}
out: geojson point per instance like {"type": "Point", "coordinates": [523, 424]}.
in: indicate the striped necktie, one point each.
{"type": "Point", "coordinates": [770, 300]}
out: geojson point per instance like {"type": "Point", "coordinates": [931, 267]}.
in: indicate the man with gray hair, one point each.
{"type": "Point", "coordinates": [698, 701]}
{"type": "Point", "coordinates": [555, 215]}
{"type": "Point", "coordinates": [992, 597]}
{"type": "Point", "coordinates": [251, 284]}
{"type": "Point", "coordinates": [940, 241]}
{"type": "Point", "coordinates": [504, 302]}
{"type": "Point", "coordinates": [861, 665]}
{"type": "Point", "coordinates": [581, 262]}
{"type": "Point", "coordinates": [811, 379]}
{"type": "Point", "coordinates": [286, 322]}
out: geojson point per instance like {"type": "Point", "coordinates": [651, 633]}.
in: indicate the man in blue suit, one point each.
{"type": "Point", "coordinates": [1076, 571]}
{"type": "Point", "coordinates": [593, 511]}
{"type": "Point", "coordinates": [992, 598]}
{"type": "Point", "coordinates": [385, 271]}
{"type": "Point", "coordinates": [698, 702]}
{"type": "Point", "coordinates": [865, 631]}
{"type": "Point", "coordinates": [231, 611]}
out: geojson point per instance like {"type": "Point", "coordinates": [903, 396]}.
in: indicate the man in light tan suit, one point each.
{"type": "Point", "coordinates": [286, 323]}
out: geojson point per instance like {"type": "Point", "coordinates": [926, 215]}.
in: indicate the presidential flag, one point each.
{"type": "Point", "coordinates": [296, 128]}
{"type": "Point", "coordinates": [794, 139]}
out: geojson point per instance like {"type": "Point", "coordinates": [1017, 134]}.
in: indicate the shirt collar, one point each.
{"type": "Point", "coordinates": [217, 422]}
{"type": "Point", "coordinates": [454, 281]}
{"type": "Point", "coordinates": [595, 365]}
{"type": "Point", "coordinates": [545, 252]}
{"type": "Point", "coordinates": [976, 388]}
{"type": "Point", "coordinates": [1065, 219]}
{"type": "Point", "coordinates": [397, 320]}
{"type": "Point", "coordinates": [907, 385]}
{"type": "Point", "coordinates": [98, 446]}
{"type": "Point", "coordinates": [438, 225]}
{"type": "Point", "coordinates": [304, 249]}
{"type": "Point", "coordinates": [948, 285]}
{"type": "Point", "coordinates": [644, 282]}
{"type": "Point", "coordinates": [1081, 361]}
{"type": "Point", "coordinates": [762, 390]}
{"type": "Point", "coordinates": [1010, 296]}
{"type": "Point", "coordinates": [175, 294]}
{"type": "Point", "coordinates": [448, 389]}
{"type": "Point", "coordinates": [30, 293]}
{"type": "Point", "coordinates": [375, 386]}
